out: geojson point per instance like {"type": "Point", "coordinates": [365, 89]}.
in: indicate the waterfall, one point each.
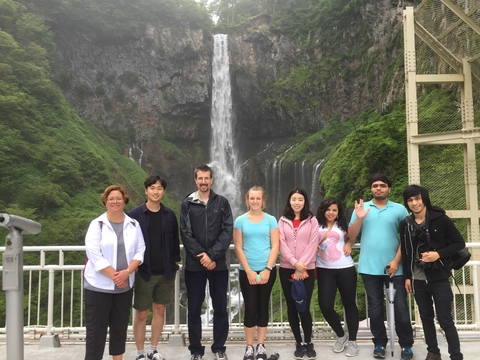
{"type": "Point", "coordinates": [282, 177]}
{"type": "Point", "coordinates": [314, 192]}
{"type": "Point", "coordinates": [137, 157]}
{"type": "Point", "coordinates": [223, 154]}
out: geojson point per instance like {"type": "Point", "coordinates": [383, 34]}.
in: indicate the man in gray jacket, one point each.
{"type": "Point", "coordinates": [206, 227]}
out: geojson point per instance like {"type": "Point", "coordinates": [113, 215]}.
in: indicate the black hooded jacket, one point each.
{"type": "Point", "coordinates": [445, 239]}
{"type": "Point", "coordinates": [206, 228]}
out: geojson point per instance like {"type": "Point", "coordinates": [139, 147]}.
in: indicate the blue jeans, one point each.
{"type": "Point", "coordinates": [374, 287]}
{"type": "Point", "coordinates": [440, 293]}
{"type": "Point", "coordinates": [195, 282]}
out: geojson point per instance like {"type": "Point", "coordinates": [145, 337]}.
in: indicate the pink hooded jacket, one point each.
{"type": "Point", "coordinates": [302, 247]}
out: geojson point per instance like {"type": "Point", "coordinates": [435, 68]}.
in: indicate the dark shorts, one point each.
{"type": "Point", "coordinates": [158, 290]}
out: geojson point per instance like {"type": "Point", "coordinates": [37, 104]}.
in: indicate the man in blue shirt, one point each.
{"type": "Point", "coordinates": [377, 221]}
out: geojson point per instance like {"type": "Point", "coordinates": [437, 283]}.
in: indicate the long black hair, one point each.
{"type": "Point", "coordinates": [304, 213]}
{"type": "Point", "coordinates": [323, 207]}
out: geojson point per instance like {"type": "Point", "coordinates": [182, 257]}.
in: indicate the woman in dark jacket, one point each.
{"type": "Point", "coordinates": [428, 237]}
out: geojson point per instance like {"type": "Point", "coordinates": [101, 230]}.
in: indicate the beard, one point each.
{"type": "Point", "coordinates": [380, 197]}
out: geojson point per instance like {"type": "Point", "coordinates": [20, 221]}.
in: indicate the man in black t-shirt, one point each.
{"type": "Point", "coordinates": [155, 279]}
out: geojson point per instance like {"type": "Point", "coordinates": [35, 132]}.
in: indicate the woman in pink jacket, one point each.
{"type": "Point", "coordinates": [298, 245]}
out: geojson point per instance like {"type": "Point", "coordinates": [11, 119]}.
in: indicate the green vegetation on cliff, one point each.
{"type": "Point", "coordinates": [54, 165]}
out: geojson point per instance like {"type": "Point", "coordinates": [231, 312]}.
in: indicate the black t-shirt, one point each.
{"type": "Point", "coordinates": [155, 239]}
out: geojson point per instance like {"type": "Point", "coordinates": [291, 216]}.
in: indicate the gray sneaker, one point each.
{"type": "Point", "coordinates": [340, 344]}
{"type": "Point", "coordinates": [351, 349]}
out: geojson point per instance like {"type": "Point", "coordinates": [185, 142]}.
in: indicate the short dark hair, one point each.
{"type": "Point", "coordinates": [153, 179]}
{"type": "Point", "coordinates": [323, 207]}
{"type": "Point", "coordinates": [304, 213]}
{"type": "Point", "coordinates": [382, 178]}
{"type": "Point", "coordinates": [203, 167]}
{"type": "Point", "coordinates": [414, 190]}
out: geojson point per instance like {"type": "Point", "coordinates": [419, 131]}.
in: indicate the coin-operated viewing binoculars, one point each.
{"type": "Point", "coordinates": [12, 279]}
{"type": "Point", "coordinates": [25, 226]}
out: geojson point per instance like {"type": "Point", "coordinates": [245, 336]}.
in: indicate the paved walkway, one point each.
{"type": "Point", "coordinates": [235, 350]}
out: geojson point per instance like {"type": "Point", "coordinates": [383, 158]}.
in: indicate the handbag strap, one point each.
{"type": "Point", "coordinates": [326, 235]}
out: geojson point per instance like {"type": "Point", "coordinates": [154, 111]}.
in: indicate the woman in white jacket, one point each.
{"type": "Point", "coordinates": [114, 245]}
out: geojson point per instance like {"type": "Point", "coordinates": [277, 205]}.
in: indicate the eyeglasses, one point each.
{"type": "Point", "coordinates": [383, 186]}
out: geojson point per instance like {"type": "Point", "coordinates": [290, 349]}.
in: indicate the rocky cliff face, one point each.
{"type": "Point", "coordinates": [152, 92]}
{"type": "Point", "coordinates": [262, 61]}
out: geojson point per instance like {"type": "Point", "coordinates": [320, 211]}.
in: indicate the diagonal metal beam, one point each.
{"type": "Point", "coordinates": [443, 52]}
{"type": "Point", "coordinates": [437, 46]}
{"type": "Point", "coordinates": [462, 15]}
{"type": "Point", "coordinates": [458, 22]}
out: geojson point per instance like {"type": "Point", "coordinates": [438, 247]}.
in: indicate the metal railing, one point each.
{"type": "Point", "coordinates": [57, 307]}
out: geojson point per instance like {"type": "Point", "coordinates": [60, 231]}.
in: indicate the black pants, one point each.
{"type": "Point", "coordinates": [439, 293]}
{"type": "Point", "coordinates": [196, 282]}
{"type": "Point", "coordinates": [103, 310]}
{"type": "Point", "coordinates": [256, 299]}
{"type": "Point", "coordinates": [293, 314]}
{"type": "Point", "coordinates": [346, 282]}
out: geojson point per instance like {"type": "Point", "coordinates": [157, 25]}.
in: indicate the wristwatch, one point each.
{"type": "Point", "coordinates": [268, 268]}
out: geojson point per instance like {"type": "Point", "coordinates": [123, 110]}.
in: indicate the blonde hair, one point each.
{"type": "Point", "coordinates": [264, 196]}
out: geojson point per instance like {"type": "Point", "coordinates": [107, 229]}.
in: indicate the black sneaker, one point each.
{"type": "Point", "coordinates": [140, 357]}
{"type": "Point", "coordinates": [379, 352]}
{"type": "Point", "coordinates": [261, 353]}
{"type": "Point", "coordinates": [248, 353]}
{"type": "Point", "coordinates": [407, 354]}
{"type": "Point", "coordinates": [299, 352]}
{"type": "Point", "coordinates": [311, 353]}
{"type": "Point", "coordinates": [155, 355]}
{"type": "Point", "coordinates": [220, 355]}
{"type": "Point", "coordinates": [196, 357]}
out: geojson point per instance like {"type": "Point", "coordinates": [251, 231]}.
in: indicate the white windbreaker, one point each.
{"type": "Point", "coordinates": [101, 249]}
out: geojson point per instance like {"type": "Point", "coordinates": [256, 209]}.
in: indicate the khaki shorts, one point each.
{"type": "Point", "coordinates": [157, 290]}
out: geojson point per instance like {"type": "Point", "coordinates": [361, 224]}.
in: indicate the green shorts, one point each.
{"type": "Point", "coordinates": [157, 290]}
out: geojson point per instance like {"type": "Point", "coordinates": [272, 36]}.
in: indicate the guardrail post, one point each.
{"type": "Point", "coordinates": [176, 338]}
{"type": "Point", "coordinates": [476, 300]}
{"type": "Point", "coordinates": [49, 339]}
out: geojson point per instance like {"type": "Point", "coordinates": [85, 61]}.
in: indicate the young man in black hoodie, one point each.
{"type": "Point", "coordinates": [428, 236]}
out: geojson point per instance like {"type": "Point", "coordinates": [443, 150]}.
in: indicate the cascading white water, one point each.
{"type": "Point", "coordinates": [223, 154]}
{"type": "Point", "coordinates": [282, 177]}
{"type": "Point", "coordinates": [314, 193]}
